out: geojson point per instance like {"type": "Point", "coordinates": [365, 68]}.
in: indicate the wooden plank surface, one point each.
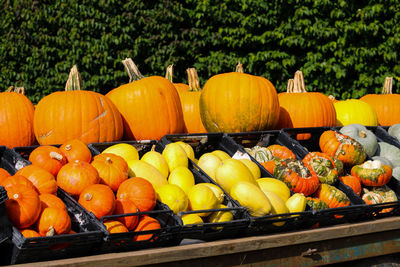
{"type": "Point", "coordinates": [229, 249]}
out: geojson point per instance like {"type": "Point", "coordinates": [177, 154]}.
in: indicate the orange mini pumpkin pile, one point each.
{"type": "Point", "coordinates": [100, 184]}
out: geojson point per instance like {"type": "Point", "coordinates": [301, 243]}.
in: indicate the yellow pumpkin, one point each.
{"type": "Point", "coordinates": [355, 111]}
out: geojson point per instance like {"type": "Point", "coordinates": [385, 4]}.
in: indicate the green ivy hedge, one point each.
{"type": "Point", "coordinates": [344, 48]}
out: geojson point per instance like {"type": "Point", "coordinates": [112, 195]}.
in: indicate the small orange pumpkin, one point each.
{"type": "Point", "coordinates": [75, 176]}
{"type": "Point", "coordinates": [76, 150]}
{"type": "Point", "coordinates": [123, 206]}
{"type": "Point", "coordinates": [22, 206]}
{"type": "Point", "coordinates": [44, 181]}
{"type": "Point", "coordinates": [353, 182]}
{"type": "Point", "coordinates": [18, 179]}
{"type": "Point", "coordinates": [139, 191]}
{"type": "Point", "coordinates": [115, 227]}
{"type": "Point", "coordinates": [51, 201]}
{"type": "Point", "coordinates": [112, 169]}
{"type": "Point", "coordinates": [29, 233]}
{"type": "Point", "coordinates": [53, 221]}
{"type": "Point", "coordinates": [146, 223]}
{"type": "Point", "coordinates": [98, 199]}
{"type": "Point", "coordinates": [3, 174]}
{"type": "Point", "coordinates": [49, 158]}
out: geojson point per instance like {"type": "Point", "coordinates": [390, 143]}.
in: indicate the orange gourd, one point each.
{"type": "Point", "coordinates": [29, 233]}
{"type": "Point", "coordinates": [98, 199]}
{"type": "Point", "coordinates": [75, 176]}
{"type": "Point", "coordinates": [112, 169]}
{"type": "Point", "coordinates": [76, 114]}
{"type": "Point", "coordinates": [386, 105]}
{"type": "Point", "coordinates": [51, 201]}
{"type": "Point", "coordinates": [54, 221]}
{"type": "Point", "coordinates": [139, 191]}
{"type": "Point", "coordinates": [43, 180]}
{"type": "Point", "coordinates": [76, 150]}
{"type": "Point", "coordinates": [3, 175]}
{"type": "Point", "coordinates": [332, 196]}
{"type": "Point", "coordinates": [22, 206]}
{"type": "Point", "coordinates": [49, 158]}
{"type": "Point", "coordinates": [16, 119]}
{"type": "Point", "coordinates": [353, 182]}
{"type": "Point", "coordinates": [123, 206]}
{"type": "Point", "coordinates": [190, 98]}
{"type": "Point", "coordinates": [115, 227]}
{"type": "Point", "coordinates": [150, 106]}
{"type": "Point", "coordinates": [18, 179]}
{"type": "Point", "coordinates": [146, 223]}
{"type": "Point", "coordinates": [299, 108]}
{"type": "Point", "coordinates": [238, 102]}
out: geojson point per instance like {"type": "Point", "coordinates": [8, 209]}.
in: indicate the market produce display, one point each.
{"type": "Point", "coordinates": [143, 168]}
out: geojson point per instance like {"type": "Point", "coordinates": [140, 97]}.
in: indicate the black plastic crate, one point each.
{"type": "Point", "coordinates": [167, 235]}
{"type": "Point", "coordinates": [5, 225]}
{"type": "Point", "coordinates": [83, 243]}
{"type": "Point", "coordinates": [203, 143]}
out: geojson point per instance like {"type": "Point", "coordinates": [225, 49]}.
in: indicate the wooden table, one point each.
{"type": "Point", "coordinates": [301, 248]}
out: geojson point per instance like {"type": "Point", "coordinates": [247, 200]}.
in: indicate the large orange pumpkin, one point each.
{"type": "Point", "coordinates": [43, 180]}
{"type": "Point", "coordinates": [16, 119]}
{"type": "Point", "coordinates": [190, 98]}
{"type": "Point", "coordinates": [76, 114]}
{"type": "Point", "coordinates": [22, 206]}
{"type": "Point", "coordinates": [238, 102]}
{"type": "Point", "coordinates": [299, 108]}
{"type": "Point", "coordinates": [386, 105]}
{"type": "Point", "coordinates": [150, 106]}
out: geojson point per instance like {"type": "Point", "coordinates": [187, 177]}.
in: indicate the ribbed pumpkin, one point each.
{"type": "Point", "coordinates": [75, 176]}
{"type": "Point", "coordinates": [22, 206]}
{"type": "Point", "coordinates": [123, 206]}
{"type": "Point", "coordinates": [115, 227]}
{"type": "Point", "coordinates": [386, 105]}
{"type": "Point", "coordinates": [76, 150]}
{"type": "Point", "coordinates": [112, 169]}
{"type": "Point", "coordinates": [43, 180]}
{"type": "Point", "coordinates": [51, 201]}
{"type": "Point", "coordinates": [355, 111]}
{"type": "Point", "coordinates": [238, 102]}
{"type": "Point", "coordinates": [332, 196]}
{"type": "Point", "coordinates": [190, 98]}
{"type": "Point", "coordinates": [299, 108]}
{"type": "Point", "coordinates": [16, 119]}
{"type": "Point", "coordinates": [352, 182]}
{"type": "Point", "coordinates": [150, 106]}
{"type": "Point", "coordinates": [18, 179]}
{"type": "Point", "coordinates": [140, 192]}
{"type": "Point", "coordinates": [74, 113]}
{"type": "Point", "coordinates": [146, 223]}
{"type": "Point", "coordinates": [29, 233]}
{"type": "Point", "coordinates": [98, 199]}
{"type": "Point", "coordinates": [49, 158]}
{"type": "Point", "coordinates": [54, 221]}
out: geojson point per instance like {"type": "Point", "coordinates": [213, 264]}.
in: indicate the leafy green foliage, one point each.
{"type": "Point", "coordinates": [344, 48]}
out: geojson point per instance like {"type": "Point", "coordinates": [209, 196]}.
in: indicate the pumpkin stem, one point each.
{"type": "Point", "coordinates": [88, 196]}
{"type": "Point", "coordinates": [387, 86]}
{"type": "Point", "coordinates": [362, 134]}
{"type": "Point", "coordinates": [331, 97]}
{"type": "Point", "coordinates": [132, 70]}
{"type": "Point", "coordinates": [20, 90]}
{"type": "Point", "coordinates": [55, 155]}
{"type": "Point", "coordinates": [74, 81]}
{"type": "Point", "coordinates": [194, 84]}
{"type": "Point", "coordinates": [169, 74]}
{"type": "Point", "coordinates": [51, 231]}
{"type": "Point", "coordinates": [290, 86]}
{"type": "Point", "coordinates": [153, 147]}
{"type": "Point", "coordinates": [15, 196]}
{"type": "Point", "coordinates": [109, 160]}
{"type": "Point", "coordinates": [299, 85]}
{"type": "Point", "coordinates": [239, 67]}
{"type": "Point", "coordinates": [68, 147]}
